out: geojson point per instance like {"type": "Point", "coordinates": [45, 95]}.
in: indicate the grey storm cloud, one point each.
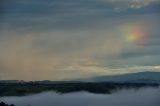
{"type": "Point", "coordinates": [58, 14]}
{"type": "Point", "coordinates": [79, 37]}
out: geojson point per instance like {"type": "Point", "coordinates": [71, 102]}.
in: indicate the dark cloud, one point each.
{"type": "Point", "coordinates": [54, 14]}
{"type": "Point", "coordinates": [58, 36]}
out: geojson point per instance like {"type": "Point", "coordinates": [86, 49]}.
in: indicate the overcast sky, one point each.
{"type": "Point", "coordinates": [70, 39]}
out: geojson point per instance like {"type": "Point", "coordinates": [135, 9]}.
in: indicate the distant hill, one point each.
{"type": "Point", "coordinates": [140, 77]}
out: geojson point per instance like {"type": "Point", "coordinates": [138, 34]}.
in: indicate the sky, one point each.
{"type": "Point", "coordinates": [72, 39]}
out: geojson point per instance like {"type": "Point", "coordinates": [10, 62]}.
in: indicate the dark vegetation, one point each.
{"type": "Point", "coordinates": [20, 89]}
{"type": "Point", "coordinates": [4, 104]}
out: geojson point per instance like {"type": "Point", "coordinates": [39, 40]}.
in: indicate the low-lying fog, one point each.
{"type": "Point", "coordinates": [131, 97]}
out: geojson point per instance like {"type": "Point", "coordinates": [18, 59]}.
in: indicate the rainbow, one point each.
{"type": "Point", "coordinates": [134, 34]}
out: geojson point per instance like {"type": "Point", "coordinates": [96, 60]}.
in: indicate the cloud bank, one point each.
{"type": "Point", "coordinates": [59, 39]}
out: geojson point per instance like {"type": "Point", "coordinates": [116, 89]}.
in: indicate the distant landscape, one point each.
{"type": "Point", "coordinates": [104, 84]}
{"type": "Point", "coordinates": [109, 85]}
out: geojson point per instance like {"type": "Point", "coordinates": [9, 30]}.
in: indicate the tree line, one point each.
{"type": "Point", "coordinates": [4, 104]}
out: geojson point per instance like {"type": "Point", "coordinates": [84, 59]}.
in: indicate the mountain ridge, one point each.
{"type": "Point", "coordinates": [142, 77]}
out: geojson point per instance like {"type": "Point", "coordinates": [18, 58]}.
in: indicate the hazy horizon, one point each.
{"type": "Point", "coordinates": [71, 39]}
{"type": "Point", "coordinates": [93, 78]}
